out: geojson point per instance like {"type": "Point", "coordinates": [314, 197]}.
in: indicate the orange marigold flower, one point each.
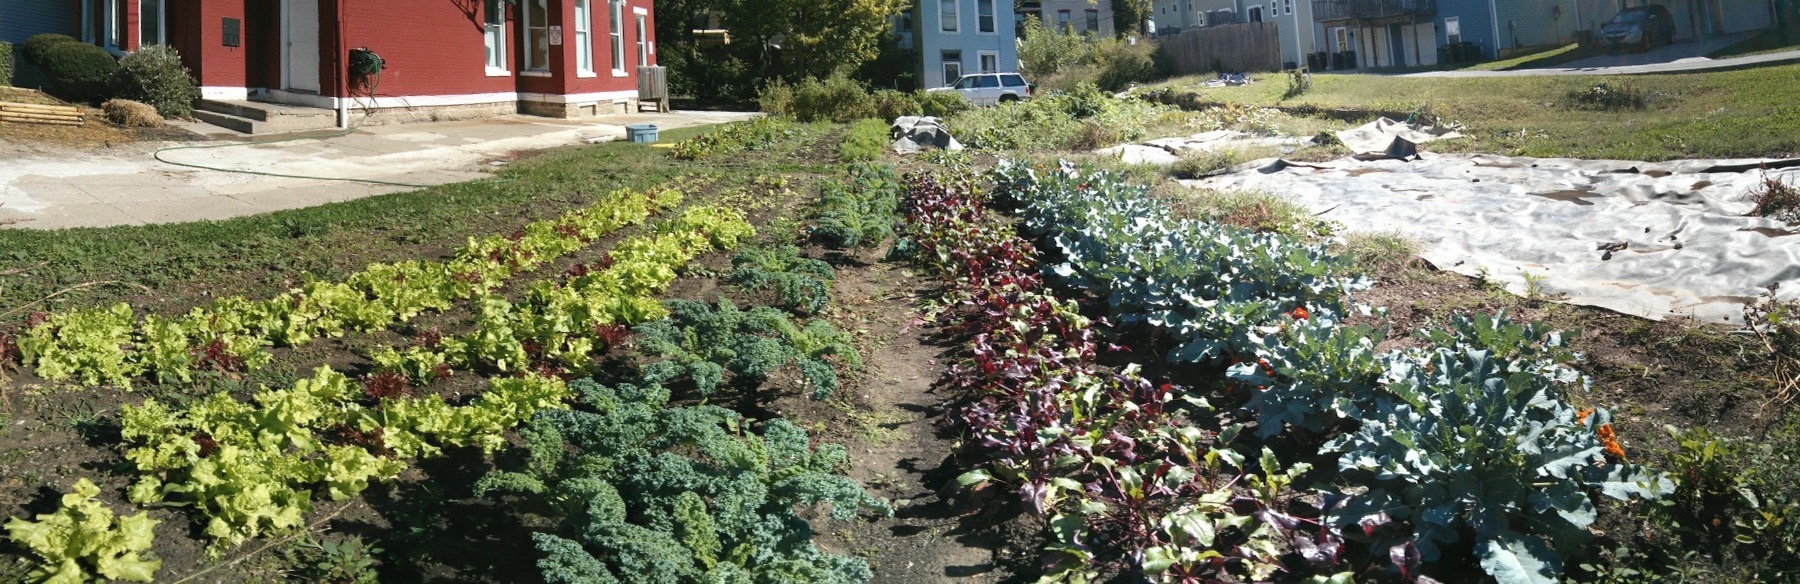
{"type": "Point", "coordinates": [1299, 313]}
{"type": "Point", "coordinates": [1609, 440]}
{"type": "Point", "coordinates": [1581, 416]}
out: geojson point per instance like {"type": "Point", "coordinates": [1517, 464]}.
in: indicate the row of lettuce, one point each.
{"type": "Point", "coordinates": [1466, 444]}
{"type": "Point", "coordinates": [648, 492]}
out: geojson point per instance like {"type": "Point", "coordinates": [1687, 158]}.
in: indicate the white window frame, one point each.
{"type": "Point", "coordinates": [494, 34]}
{"type": "Point", "coordinates": [945, 65]}
{"type": "Point", "coordinates": [616, 34]}
{"type": "Point", "coordinates": [1287, 6]}
{"type": "Point", "coordinates": [993, 17]}
{"type": "Point", "coordinates": [526, 66]}
{"type": "Point", "coordinates": [981, 60]}
{"type": "Point", "coordinates": [641, 27]}
{"type": "Point", "coordinates": [1452, 30]}
{"type": "Point", "coordinates": [950, 22]}
{"type": "Point", "coordinates": [584, 38]}
{"type": "Point", "coordinates": [162, 22]}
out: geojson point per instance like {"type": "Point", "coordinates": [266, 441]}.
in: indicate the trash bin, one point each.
{"type": "Point", "coordinates": [641, 133]}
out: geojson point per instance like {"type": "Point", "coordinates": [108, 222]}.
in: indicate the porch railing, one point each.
{"type": "Point", "coordinates": [1369, 9]}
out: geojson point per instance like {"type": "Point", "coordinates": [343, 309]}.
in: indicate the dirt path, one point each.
{"type": "Point", "coordinates": [888, 426]}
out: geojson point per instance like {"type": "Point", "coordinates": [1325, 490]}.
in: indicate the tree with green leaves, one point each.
{"type": "Point", "coordinates": [799, 38]}
{"type": "Point", "coordinates": [1129, 16]}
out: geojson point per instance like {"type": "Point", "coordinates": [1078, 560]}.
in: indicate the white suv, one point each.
{"type": "Point", "coordinates": [990, 88]}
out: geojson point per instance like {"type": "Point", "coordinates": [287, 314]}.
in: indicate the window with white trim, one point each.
{"type": "Point", "coordinates": [1255, 14]}
{"type": "Point", "coordinates": [990, 62]}
{"type": "Point", "coordinates": [494, 33]}
{"type": "Point", "coordinates": [616, 29]}
{"type": "Point", "coordinates": [1287, 6]}
{"type": "Point", "coordinates": [984, 16]}
{"type": "Point", "coordinates": [584, 38]}
{"type": "Point", "coordinates": [948, 15]}
{"type": "Point", "coordinates": [537, 34]}
{"type": "Point", "coordinates": [952, 67]}
{"type": "Point", "coordinates": [1452, 30]}
{"type": "Point", "coordinates": [643, 41]}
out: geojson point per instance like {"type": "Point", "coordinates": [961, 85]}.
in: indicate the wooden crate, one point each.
{"type": "Point", "coordinates": [31, 113]}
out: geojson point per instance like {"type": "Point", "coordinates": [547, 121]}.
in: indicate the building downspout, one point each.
{"type": "Point", "coordinates": [1494, 18]}
{"type": "Point", "coordinates": [339, 71]}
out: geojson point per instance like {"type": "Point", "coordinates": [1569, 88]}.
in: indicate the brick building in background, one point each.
{"type": "Point", "coordinates": [443, 58]}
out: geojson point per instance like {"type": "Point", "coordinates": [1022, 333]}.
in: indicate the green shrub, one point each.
{"type": "Point", "coordinates": [1046, 51]}
{"type": "Point", "coordinates": [941, 104]}
{"type": "Point", "coordinates": [36, 48]}
{"type": "Point", "coordinates": [6, 64]}
{"type": "Point", "coordinates": [776, 99]}
{"type": "Point", "coordinates": [864, 142]}
{"type": "Point", "coordinates": [154, 75]}
{"type": "Point", "coordinates": [78, 72]}
{"type": "Point", "coordinates": [890, 104]}
{"type": "Point", "coordinates": [837, 98]}
{"type": "Point", "coordinates": [1121, 64]}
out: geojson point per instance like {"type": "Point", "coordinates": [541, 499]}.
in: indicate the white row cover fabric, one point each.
{"type": "Point", "coordinates": [1688, 250]}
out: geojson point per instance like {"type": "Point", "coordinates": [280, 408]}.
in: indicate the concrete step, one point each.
{"type": "Point", "coordinates": [268, 118]}
{"type": "Point", "coordinates": [231, 122]}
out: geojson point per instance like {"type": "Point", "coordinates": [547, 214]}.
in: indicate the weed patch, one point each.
{"type": "Point", "coordinates": [1609, 97]}
{"type": "Point", "coordinates": [864, 141]}
{"type": "Point", "coordinates": [1776, 198]}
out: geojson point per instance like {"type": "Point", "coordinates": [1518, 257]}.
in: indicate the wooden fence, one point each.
{"type": "Point", "coordinates": [1235, 48]}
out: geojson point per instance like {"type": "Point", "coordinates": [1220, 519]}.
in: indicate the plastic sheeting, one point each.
{"type": "Point", "coordinates": [913, 134]}
{"type": "Point", "coordinates": [1165, 151]}
{"type": "Point", "coordinates": [1680, 243]}
{"type": "Point", "coordinates": [1385, 138]}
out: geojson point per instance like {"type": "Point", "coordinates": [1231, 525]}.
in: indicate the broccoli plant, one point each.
{"type": "Point", "coordinates": [799, 284]}
{"type": "Point", "coordinates": [703, 342]}
{"type": "Point", "coordinates": [651, 494]}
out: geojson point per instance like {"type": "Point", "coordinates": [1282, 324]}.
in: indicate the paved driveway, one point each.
{"type": "Point", "coordinates": [1681, 57]}
{"type": "Point", "coordinates": [126, 186]}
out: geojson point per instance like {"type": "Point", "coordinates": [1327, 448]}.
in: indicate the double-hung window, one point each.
{"type": "Point", "coordinates": [616, 30]}
{"type": "Point", "coordinates": [643, 39]}
{"type": "Point", "coordinates": [494, 32]}
{"type": "Point", "coordinates": [948, 15]}
{"type": "Point", "coordinates": [584, 39]}
{"type": "Point", "coordinates": [1093, 20]}
{"type": "Point", "coordinates": [537, 35]}
{"type": "Point", "coordinates": [984, 16]}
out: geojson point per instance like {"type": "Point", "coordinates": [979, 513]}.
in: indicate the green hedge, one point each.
{"type": "Point", "coordinates": [78, 72]}
{"type": "Point", "coordinates": [6, 64]}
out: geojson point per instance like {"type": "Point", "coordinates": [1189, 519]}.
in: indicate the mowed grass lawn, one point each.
{"type": "Point", "coordinates": [1748, 113]}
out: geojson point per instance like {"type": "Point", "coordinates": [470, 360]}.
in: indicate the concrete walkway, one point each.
{"type": "Point", "coordinates": [126, 186]}
{"type": "Point", "coordinates": [1602, 65]}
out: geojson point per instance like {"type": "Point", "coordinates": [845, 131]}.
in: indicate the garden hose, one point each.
{"type": "Point", "coordinates": [367, 112]}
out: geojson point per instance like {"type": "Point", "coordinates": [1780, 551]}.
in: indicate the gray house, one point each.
{"type": "Point", "coordinates": [19, 19]}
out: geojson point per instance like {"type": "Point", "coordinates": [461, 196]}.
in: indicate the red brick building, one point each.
{"type": "Point", "coordinates": [443, 58]}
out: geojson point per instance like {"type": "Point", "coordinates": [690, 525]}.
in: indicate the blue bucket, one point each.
{"type": "Point", "coordinates": [641, 133]}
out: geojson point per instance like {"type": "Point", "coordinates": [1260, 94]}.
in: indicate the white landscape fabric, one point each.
{"type": "Point", "coordinates": [1690, 251]}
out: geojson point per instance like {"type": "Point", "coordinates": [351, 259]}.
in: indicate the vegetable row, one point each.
{"type": "Point", "coordinates": [113, 345]}
{"type": "Point", "coordinates": [1472, 434]}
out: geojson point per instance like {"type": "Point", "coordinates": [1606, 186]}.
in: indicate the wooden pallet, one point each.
{"type": "Point", "coordinates": [31, 113]}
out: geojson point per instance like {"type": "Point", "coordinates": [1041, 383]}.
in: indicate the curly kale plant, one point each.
{"type": "Point", "coordinates": [650, 494]}
{"type": "Point", "coordinates": [860, 213]}
{"type": "Point", "coordinates": [799, 284]}
{"type": "Point", "coordinates": [702, 342]}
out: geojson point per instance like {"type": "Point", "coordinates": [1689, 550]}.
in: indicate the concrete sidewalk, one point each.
{"type": "Point", "coordinates": [126, 186]}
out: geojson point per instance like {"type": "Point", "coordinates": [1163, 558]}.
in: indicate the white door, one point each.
{"type": "Point", "coordinates": [301, 51]}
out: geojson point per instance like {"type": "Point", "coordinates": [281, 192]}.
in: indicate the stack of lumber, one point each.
{"type": "Point", "coordinates": [31, 113]}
